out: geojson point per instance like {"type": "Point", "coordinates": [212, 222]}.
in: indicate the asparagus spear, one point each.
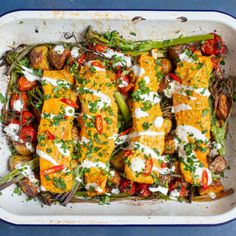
{"type": "Point", "coordinates": [113, 39]}
{"type": "Point", "coordinates": [123, 107]}
{"type": "Point", "coordinates": [16, 175]}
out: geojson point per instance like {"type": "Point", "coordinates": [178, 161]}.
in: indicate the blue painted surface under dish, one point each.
{"type": "Point", "coordinates": [228, 6]}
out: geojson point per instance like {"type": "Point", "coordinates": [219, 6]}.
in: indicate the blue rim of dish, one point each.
{"type": "Point", "coordinates": [120, 225]}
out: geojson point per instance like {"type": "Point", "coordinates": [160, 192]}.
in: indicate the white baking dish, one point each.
{"type": "Point", "coordinates": [49, 26]}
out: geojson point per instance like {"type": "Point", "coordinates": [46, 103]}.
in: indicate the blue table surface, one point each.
{"type": "Point", "coordinates": [228, 6]}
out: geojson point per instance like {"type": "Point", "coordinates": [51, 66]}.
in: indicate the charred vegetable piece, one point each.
{"type": "Point", "coordinates": [218, 164]}
{"type": "Point", "coordinates": [58, 57]}
{"type": "Point", "coordinates": [170, 146]}
{"type": "Point", "coordinates": [22, 149]}
{"type": "Point", "coordinates": [117, 161]}
{"type": "Point", "coordinates": [215, 187]}
{"type": "Point", "coordinates": [39, 58]}
{"type": "Point", "coordinates": [113, 39]}
{"type": "Point", "coordinates": [29, 188]}
{"type": "Point", "coordinates": [18, 159]}
{"type": "Point", "coordinates": [223, 107]}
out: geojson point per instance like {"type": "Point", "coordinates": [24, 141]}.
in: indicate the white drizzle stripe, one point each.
{"type": "Point", "coordinates": [90, 164]}
{"type": "Point", "coordinates": [145, 133]}
{"type": "Point", "coordinates": [181, 107]}
{"type": "Point", "coordinates": [46, 157]}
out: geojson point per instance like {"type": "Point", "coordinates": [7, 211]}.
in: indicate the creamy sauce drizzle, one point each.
{"type": "Point", "coordinates": [46, 157]}
{"type": "Point", "coordinates": [181, 107]}
{"type": "Point", "coordinates": [139, 113]}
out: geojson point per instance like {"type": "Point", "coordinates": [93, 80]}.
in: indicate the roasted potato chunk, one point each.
{"type": "Point", "coordinates": [215, 187]}
{"type": "Point", "coordinates": [18, 159]}
{"type": "Point", "coordinates": [39, 58]}
{"type": "Point", "coordinates": [223, 107]}
{"type": "Point", "coordinates": [114, 179]}
{"type": "Point", "coordinates": [58, 59]}
{"type": "Point", "coordinates": [28, 187]}
{"type": "Point", "coordinates": [170, 146]}
{"type": "Point", "coordinates": [22, 150]}
{"type": "Point", "coordinates": [118, 161]}
{"type": "Point", "coordinates": [167, 125]}
{"type": "Point", "coordinates": [218, 164]}
{"type": "Point", "coordinates": [166, 65]}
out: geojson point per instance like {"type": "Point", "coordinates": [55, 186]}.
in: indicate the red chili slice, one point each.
{"type": "Point", "coordinates": [125, 132]}
{"type": "Point", "coordinates": [204, 180]}
{"type": "Point", "coordinates": [69, 102]}
{"type": "Point", "coordinates": [125, 79]}
{"type": "Point", "coordinates": [148, 166]}
{"type": "Point", "coordinates": [99, 124]}
{"type": "Point", "coordinates": [127, 153]}
{"type": "Point", "coordinates": [53, 169]}
{"type": "Point", "coordinates": [81, 59]}
{"type": "Point", "coordinates": [175, 77]}
{"type": "Point", "coordinates": [49, 135]}
{"type": "Point", "coordinates": [100, 48]}
{"type": "Point", "coordinates": [97, 64]}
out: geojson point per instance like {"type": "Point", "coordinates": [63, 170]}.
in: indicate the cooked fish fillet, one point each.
{"type": "Point", "coordinates": [193, 116]}
{"type": "Point", "coordinates": [55, 144]}
{"type": "Point", "coordinates": [144, 161]}
{"type": "Point", "coordinates": [96, 94]}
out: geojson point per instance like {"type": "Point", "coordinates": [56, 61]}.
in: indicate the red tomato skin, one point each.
{"type": "Point", "coordinates": [142, 190]}
{"type": "Point", "coordinates": [25, 85]}
{"type": "Point", "coordinates": [127, 186]}
{"type": "Point", "coordinates": [28, 134]}
{"type": "Point", "coordinates": [27, 116]}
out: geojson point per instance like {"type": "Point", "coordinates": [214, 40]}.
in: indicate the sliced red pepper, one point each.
{"type": "Point", "coordinates": [127, 153]}
{"type": "Point", "coordinates": [163, 165]}
{"type": "Point", "coordinates": [53, 169]}
{"type": "Point", "coordinates": [125, 132]}
{"type": "Point", "coordinates": [175, 77]}
{"type": "Point", "coordinates": [49, 135]}
{"type": "Point", "coordinates": [148, 166]}
{"type": "Point", "coordinates": [97, 64]}
{"type": "Point", "coordinates": [69, 102]}
{"type": "Point", "coordinates": [99, 123]}
{"type": "Point", "coordinates": [81, 59]}
{"type": "Point", "coordinates": [100, 48]}
{"type": "Point", "coordinates": [204, 181]}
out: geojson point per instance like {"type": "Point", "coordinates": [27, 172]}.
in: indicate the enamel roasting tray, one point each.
{"type": "Point", "coordinates": [49, 26]}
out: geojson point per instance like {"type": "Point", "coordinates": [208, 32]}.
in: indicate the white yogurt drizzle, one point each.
{"type": "Point", "coordinates": [137, 165]}
{"type": "Point", "coordinates": [59, 49]}
{"type": "Point", "coordinates": [153, 97]}
{"type": "Point", "coordinates": [145, 133]}
{"type": "Point", "coordinates": [124, 60]}
{"type": "Point", "coordinates": [138, 71]}
{"type": "Point", "coordinates": [160, 189]}
{"type": "Point", "coordinates": [74, 52]}
{"type": "Point", "coordinates": [12, 131]}
{"type": "Point", "coordinates": [62, 150]}
{"type": "Point", "coordinates": [158, 122]}
{"type": "Point", "coordinates": [29, 74]}
{"type": "Point", "coordinates": [69, 111]}
{"type": "Point", "coordinates": [18, 105]}
{"type": "Point", "coordinates": [139, 113]}
{"type": "Point", "coordinates": [28, 173]}
{"type": "Point", "coordinates": [93, 186]}
{"type": "Point", "coordinates": [103, 97]}
{"type": "Point", "coordinates": [181, 107]}
{"type": "Point", "coordinates": [56, 82]}
{"type": "Point", "coordinates": [46, 157]}
{"type": "Point", "coordinates": [90, 164]}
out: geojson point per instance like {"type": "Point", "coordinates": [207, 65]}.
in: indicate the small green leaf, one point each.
{"type": "Point", "coordinates": [2, 98]}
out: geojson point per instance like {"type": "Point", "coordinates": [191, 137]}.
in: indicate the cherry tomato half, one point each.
{"type": "Point", "coordinates": [127, 186]}
{"type": "Point", "coordinates": [25, 85]}
{"type": "Point", "coordinates": [22, 97]}
{"type": "Point", "coordinates": [27, 117]}
{"type": "Point", "coordinates": [142, 190]}
{"type": "Point", "coordinates": [28, 133]}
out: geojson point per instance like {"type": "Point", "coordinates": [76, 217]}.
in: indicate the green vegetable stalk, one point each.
{"type": "Point", "coordinates": [123, 107]}
{"type": "Point", "coordinates": [114, 40]}
{"type": "Point", "coordinates": [16, 175]}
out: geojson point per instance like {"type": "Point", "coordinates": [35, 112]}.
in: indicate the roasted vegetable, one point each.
{"type": "Point", "coordinates": [117, 161]}
{"type": "Point", "coordinates": [39, 58]}
{"type": "Point", "coordinates": [218, 164]}
{"type": "Point", "coordinates": [57, 56]}
{"type": "Point", "coordinates": [113, 39]}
